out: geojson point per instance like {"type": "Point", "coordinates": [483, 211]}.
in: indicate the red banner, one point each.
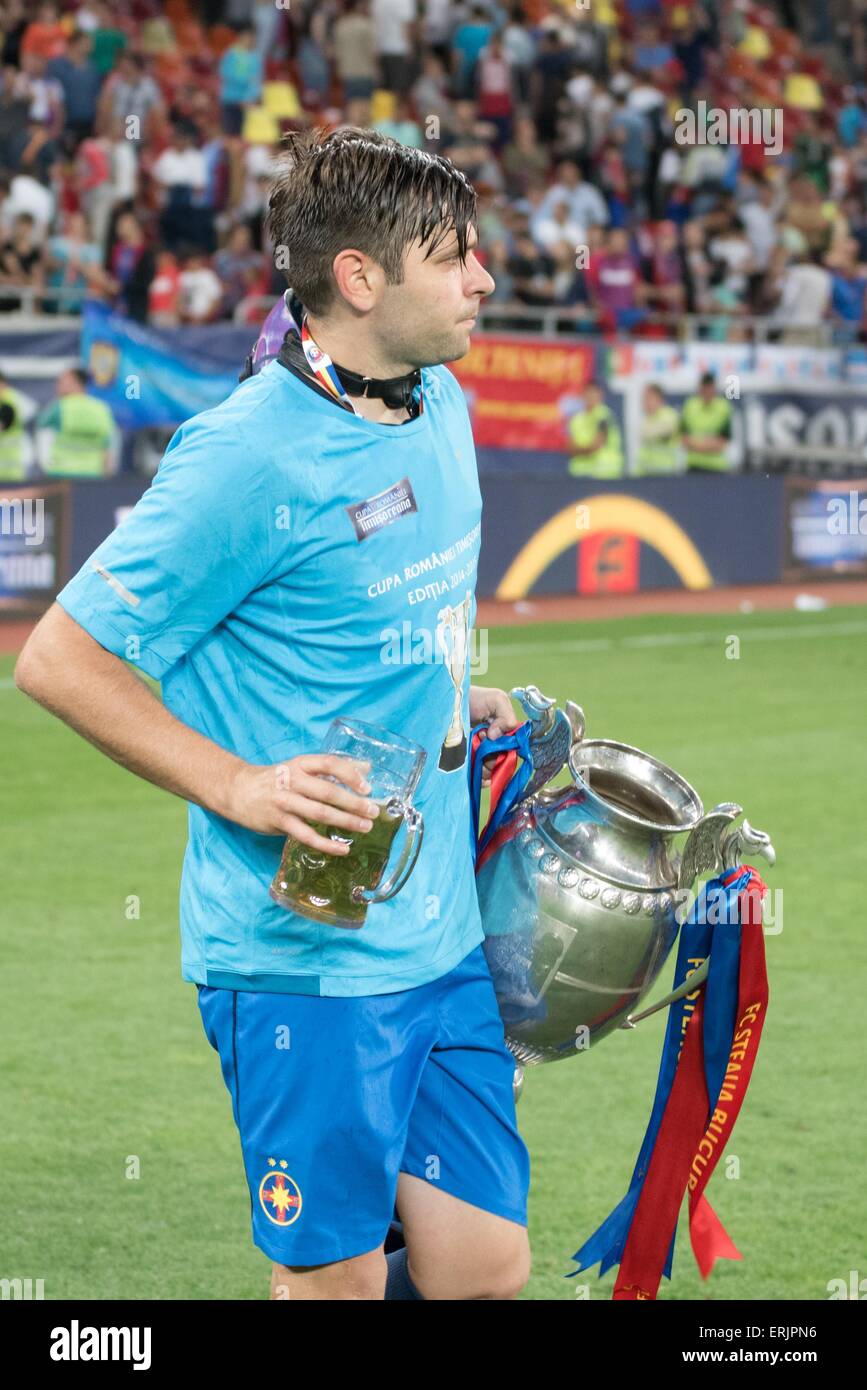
{"type": "Point", "coordinates": [521, 393]}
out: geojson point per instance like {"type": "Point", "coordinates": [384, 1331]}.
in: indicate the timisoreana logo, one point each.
{"type": "Point", "coordinates": [77, 1343]}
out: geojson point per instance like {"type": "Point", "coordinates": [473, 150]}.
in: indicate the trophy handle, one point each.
{"type": "Point", "coordinates": [406, 863]}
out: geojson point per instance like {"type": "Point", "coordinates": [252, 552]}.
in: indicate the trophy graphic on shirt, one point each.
{"type": "Point", "coordinates": [451, 638]}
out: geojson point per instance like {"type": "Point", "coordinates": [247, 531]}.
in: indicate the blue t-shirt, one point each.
{"type": "Point", "coordinates": [847, 297]}
{"type": "Point", "coordinates": [291, 562]}
{"type": "Point", "coordinates": [240, 72]}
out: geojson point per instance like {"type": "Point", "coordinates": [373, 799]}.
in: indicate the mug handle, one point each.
{"type": "Point", "coordinates": [406, 863]}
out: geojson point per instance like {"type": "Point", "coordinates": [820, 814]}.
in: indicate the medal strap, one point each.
{"type": "Point", "coordinates": [325, 371]}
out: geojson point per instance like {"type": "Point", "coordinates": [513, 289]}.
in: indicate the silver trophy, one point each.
{"type": "Point", "coordinates": [452, 639]}
{"type": "Point", "coordinates": [580, 905]}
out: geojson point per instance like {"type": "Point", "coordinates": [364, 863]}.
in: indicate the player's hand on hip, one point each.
{"type": "Point", "coordinates": [281, 798]}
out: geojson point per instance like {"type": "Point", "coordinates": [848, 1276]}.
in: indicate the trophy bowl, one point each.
{"type": "Point", "coordinates": [579, 891]}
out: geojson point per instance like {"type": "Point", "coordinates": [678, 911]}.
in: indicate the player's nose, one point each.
{"type": "Point", "coordinates": [481, 283]}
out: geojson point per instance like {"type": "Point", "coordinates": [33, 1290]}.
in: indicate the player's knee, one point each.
{"type": "Point", "coordinates": [360, 1277]}
{"type": "Point", "coordinates": [509, 1276]}
{"type": "Point", "coordinates": [498, 1271]}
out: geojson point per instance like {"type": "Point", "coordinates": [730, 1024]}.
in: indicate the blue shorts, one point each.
{"type": "Point", "coordinates": [333, 1097]}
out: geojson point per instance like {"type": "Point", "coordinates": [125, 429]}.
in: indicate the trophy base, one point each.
{"type": "Point", "coordinates": [454, 756]}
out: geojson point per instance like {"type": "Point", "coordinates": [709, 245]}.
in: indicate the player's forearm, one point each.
{"type": "Point", "coordinates": [63, 669]}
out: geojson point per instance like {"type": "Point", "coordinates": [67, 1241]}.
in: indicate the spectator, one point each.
{"type": "Point", "coordinates": [12, 29]}
{"type": "Point", "coordinates": [808, 214]}
{"type": "Point", "coordinates": [631, 129]}
{"type": "Point", "coordinates": [81, 82]}
{"type": "Point", "coordinates": [133, 265]}
{"type": "Point", "coordinates": [696, 268]}
{"type": "Point", "coordinates": [596, 438]}
{"type": "Point", "coordinates": [241, 71]}
{"type": "Point", "coordinates": [436, 28]}
{"type": "Point", "coordinates": [759, 211]}
{"type": "Point", "coordinates": [734, 264]}
{"type": "Point", "coordinates": [240, 268]}
{"type": "Point", "coordinates": [46, 95]}
{"type": "Point", "coordinates": [394, 21]}
{"type": "Point", "coordinates": [586, 204]}
{"type": "Point", "coordinates": [851, 120]}
{"type": "Point", "coordinates": [107, 39]}
{"type": "Point", "coordinates": [130, 95]}
{"type": "Point", "coordinates": [201, 293]}
{"type": "Point", "coordinates": [312, 60]}
{"type": "Point", "coordinates": [401, 126]}
{"type": "Point", "coordinates": [164, 292]}
{"type": "Point", "coordinates": [660, 432]}
{"type": "Point", "coordinates": [124, 165]}
{"type": "Point", "coordinates": [46, 36]}
{"type": "Point", "coordinates": [13, 456]}
{"type": "Point", "coordinates": [468, 41]}
{"type": "Point", "coordinates": [531, 271]}
{"type": "Point", "coordinates": [354, 46]}
{"type": "Point", "coordinates": [519, 48]}
{"type": "Point", "coordinates": [493, 81]}
{"type": "Point", "coordinates": [614, 283]}
{"type": "Point", "coordinates": [265, 22]}
{"type": "Point", "coordinates": [666, 291]}
{"type": "Point", "coordinates": [690, 48]}
{"type": "Point", "coordinates": [811, 153]}
{"type": "Point", "coordinates": [25, 194]}
{"type": "Point", "coordinates": [96, 188]}
{"type": "Point", "coordinates": [523, 159]}
{"type": "Point", "coordinates": [468, 146]}
{"type": "Point", "coordinates": [848, 286]}
{"type": "Point", "coordinates": [181, 174]}
{"type": "Point", "coordinates": [22, 264]}
{"type": "Point", "coordinates": [650, 52]}
{"type": "Point", "coordinates": [551, 71]}
{"type": "Point", "coordinates": [430, 96]}
{"type": "Point", "coordinates": [558, 228]}
{"type": "Point", "coordinates": [83, 437]}
{"type": "Point", "coordinates": [589, 42]}
{"type": "Point", "coordinates": [74, 263]}
{"type": "Point", "coordinates": [706, 421]}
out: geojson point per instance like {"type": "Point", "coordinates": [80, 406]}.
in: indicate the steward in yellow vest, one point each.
{"type": "Point", "coordinates": [11, 435]}
{"type": "Point", "coordinates": [83, 428]}
{"type": "Point", "coordinates": [706, 421]}
{"type": "Point", "coordinates": [659, 450]}
{"type": "Point", "coordinates": [597, 438]}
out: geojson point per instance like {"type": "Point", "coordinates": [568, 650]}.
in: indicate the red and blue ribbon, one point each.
{"type": "Point", "coordinates": [509, 779]}
{"type": "Point", "coordinates": [710, 1046]}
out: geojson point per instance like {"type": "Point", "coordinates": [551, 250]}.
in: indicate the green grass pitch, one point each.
{"type": "Point", "coordinates": [104, 1057]}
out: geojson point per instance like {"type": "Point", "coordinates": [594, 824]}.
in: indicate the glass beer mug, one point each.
{"type": "Point", "coordinates": [338, 888]}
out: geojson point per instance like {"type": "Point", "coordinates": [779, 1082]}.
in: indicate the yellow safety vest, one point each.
{"type": "Point", "coordinates": [605, 462]}
{"type": "Point", "coordinates": [659, 448]}
{"type": "Point", "coordinates": [12, 440]}
{"type": "Point", "coordinates": [79, 446]}
{"type": "Point", "coordinates": [707, 418]}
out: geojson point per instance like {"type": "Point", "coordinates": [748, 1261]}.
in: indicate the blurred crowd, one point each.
{"type": "Point", "coordinates": [137, 139]}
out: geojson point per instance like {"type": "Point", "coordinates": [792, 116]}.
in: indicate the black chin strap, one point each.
{"type": "Point", "coordinates": [395, 391]}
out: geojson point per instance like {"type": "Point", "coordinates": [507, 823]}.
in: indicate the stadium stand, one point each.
{"type": "Point", "coordinates": [136, 140]}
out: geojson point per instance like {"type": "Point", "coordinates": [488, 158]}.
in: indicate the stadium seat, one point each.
{"type": "Point", "coordinates": [260, 126]}
{"type": "Point", "coordinates": [381, 106]}
{"type": "Point", "coordinates": [280, 99]}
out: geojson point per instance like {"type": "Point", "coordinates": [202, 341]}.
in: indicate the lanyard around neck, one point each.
{"type": "Point", "coordinates": [325, 371]}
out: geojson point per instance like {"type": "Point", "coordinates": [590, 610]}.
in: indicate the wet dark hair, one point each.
{"type": "Point", "coordinates": [357, 188]}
